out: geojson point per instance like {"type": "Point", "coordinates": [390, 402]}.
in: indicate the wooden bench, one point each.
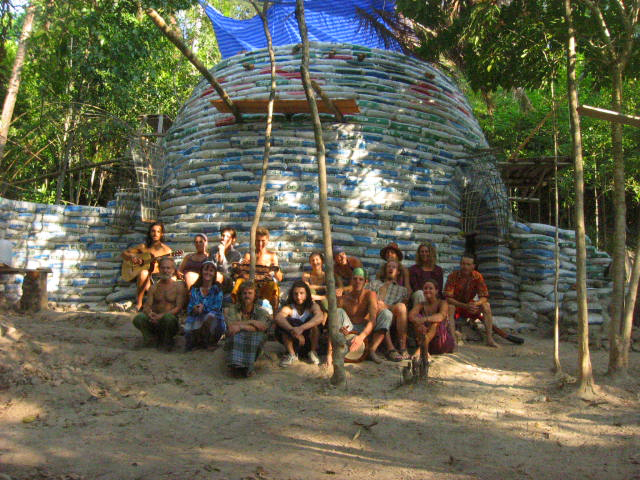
{"type": "Point", "coordinates": [34, 286]}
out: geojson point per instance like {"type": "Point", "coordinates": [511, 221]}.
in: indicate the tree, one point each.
{"type": "Point", "coordinates": [585, 386]}
{"type": "Point", "coordinates": [616, 23]}
{"type": "Point", "coordinates": [14, 81]}
{"type": "Point", "coordinates": [339, 377]}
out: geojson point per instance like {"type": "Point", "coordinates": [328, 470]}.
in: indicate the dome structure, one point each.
{"type": "Point", "coordinates": [410, 167]}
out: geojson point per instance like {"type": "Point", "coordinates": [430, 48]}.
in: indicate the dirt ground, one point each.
{"type": "Point", "coordinates": [79, 401]}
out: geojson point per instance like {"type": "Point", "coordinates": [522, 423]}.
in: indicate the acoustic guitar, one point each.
{"type": "Point", "coordinates": [130, 270]}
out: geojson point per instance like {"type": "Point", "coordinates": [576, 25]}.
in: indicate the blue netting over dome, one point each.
{"type": "Point", "coordinates": [327, 21]}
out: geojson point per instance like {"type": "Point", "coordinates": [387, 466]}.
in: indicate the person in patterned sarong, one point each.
{"type": "Point", "coordinates": [247, 326]}
{"type": "Point", "coordinates": [462, 287]}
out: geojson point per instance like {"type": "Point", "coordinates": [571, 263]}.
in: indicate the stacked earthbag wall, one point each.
{"type": "Point", "coordinates": [391, 169]}
{"type": "Point", "coordinates": [78, 243]}
{"type": "Point", "coordinates": [533, 247]}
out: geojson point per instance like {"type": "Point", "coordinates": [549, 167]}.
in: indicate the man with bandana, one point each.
{"type": "Point", "coordinates": [359, 313]}
{"type": "Point", "coordinates": [158, 321]}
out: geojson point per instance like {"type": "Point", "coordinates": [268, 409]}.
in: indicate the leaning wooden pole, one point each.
{"type": "Point", "coordinates": [339, 377]}
{"type": "Point", "coordinates": [14, 81]}
{"type": "Point", "coordinates": [186, 51]}
{"type": "Point", "coordinates": [267, 139]}
{"type": "Point", "coordinates": [586, 386]}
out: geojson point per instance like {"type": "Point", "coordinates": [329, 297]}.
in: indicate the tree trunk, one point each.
{"type": "Point", "coordinates": [67, 139]}
{"type": "Point", "coordinates": [586, 386]}
{"type": "Point", "coordinates": [267, 141]}
{"type": "Point", "coordinates": [14, 81]}
{"type": "Point", "coordinates": [339, 377]}
{"type": "Point", "coordinates": [616, 354]}
{"type": "Point", "coordinates": [630, 303]}
{"type": "Point", "coordinates": [557, 366]}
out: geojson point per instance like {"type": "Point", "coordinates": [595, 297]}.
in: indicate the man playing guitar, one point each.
{"type": "Point", "coordinates": [142, 254]}
{"type": "Point", "coordinates": [266, 262]}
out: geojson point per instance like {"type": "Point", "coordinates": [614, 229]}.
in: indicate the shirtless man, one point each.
{"type": "Point", "coordinates": [158, 321]}
{"type": "Point", "coordinates": [267, 288]}
{"type": "Point", "coordinates": [359, 312]}
{"type": "Point", "coordinates": [298, 325]}
{"type": "Point", "coordinates": [462, 287]}
{"type": "Point", "coordinates": [154, 245]}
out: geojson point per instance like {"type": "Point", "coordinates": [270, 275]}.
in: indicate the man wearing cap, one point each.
{"type": "Point", "coordinates": [462, 287]}
{"type": "Point", "coordinates": [343, 266]}
{"type": "Point", "coordinates": [359, 313]}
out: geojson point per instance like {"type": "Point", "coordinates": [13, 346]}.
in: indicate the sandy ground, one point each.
{"type": "Point", "coordinates": [79, 401]}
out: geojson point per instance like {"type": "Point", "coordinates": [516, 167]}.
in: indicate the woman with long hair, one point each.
{"type": "Point", "coordinates": [429, 321]}
{"type": "Point", "coordinates": [189, 269]}
{"type": "Point", "coordinates": [424, 269]}
{"type": "Point", "coordinates": [205, 322]}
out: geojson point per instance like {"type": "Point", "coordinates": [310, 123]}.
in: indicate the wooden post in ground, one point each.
{"type": "Point", "coordinates": [339, 377]}
{"type": "Point", "coordinates": [267, 140]}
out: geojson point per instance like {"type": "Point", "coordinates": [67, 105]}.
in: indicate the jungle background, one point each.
{"type": "Point", "coordinates": [94, 67]}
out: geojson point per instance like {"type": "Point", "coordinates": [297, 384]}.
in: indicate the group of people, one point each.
{"type": "Point", "coordinates": [374, 315]}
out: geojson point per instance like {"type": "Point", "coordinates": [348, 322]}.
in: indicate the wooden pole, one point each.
{"type": "Point", "coordinates": [608, 115]}
{"type": "Point", "coordinates": [186, 51]}
{"type": "Point", "coordinates": [267, 140]}
{"type": "Point", "coordinates": [327, 101]}
{"type": "Point", "coordinates": [339, 377]}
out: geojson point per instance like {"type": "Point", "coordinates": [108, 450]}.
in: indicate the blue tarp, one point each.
{"type": "Point", "coordinates": [327, 21]}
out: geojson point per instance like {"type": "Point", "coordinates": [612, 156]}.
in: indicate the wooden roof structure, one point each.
{"type": "Point", "coordinates": [529, 175]}
{"type": "Point", "coordinates": [345, 106]}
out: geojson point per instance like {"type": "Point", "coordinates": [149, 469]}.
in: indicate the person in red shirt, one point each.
{"type": "Point", "coordinates": [462, 287]}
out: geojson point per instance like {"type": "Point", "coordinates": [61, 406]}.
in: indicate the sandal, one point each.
{"type": "Point", "coordinates": [394, 356]}
{"type": "Point", "coordinates": [404, 354]}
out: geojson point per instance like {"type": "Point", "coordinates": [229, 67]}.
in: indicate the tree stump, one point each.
{"type": "Point", "coordinates": [34, 291]}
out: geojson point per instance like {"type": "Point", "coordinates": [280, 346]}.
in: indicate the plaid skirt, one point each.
{"type": "Point", "coordinates": [243, 348]}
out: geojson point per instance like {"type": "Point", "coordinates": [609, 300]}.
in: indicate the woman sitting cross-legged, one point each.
{"type": "Point", "coordinates": [247, 325]}
{"type": "Point", "coordinates": [429, 320]}
{"type": "Point", "coordinates": [205, 322]}
{"type": "Point", "coordinates": [298, 325]}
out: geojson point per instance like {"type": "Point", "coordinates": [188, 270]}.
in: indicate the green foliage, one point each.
{"type": "Point", "coordinates": [92, 70]}
{"type": "Point", "coordinates": [517, 45]}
